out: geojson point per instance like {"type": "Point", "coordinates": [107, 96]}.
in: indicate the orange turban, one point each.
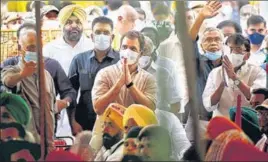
{"type": "Point", "coordinates": [115, 112]}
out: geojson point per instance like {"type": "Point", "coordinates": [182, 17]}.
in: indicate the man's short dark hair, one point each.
{"type": "Point", "coordinates": [102, 20]}
{"type": "Point", "coordinates": [161, 9]}
{"type": "Point", "coordinates": [26, 25]}
{"type": "Point", "coordinates": [263, 91]}
{"type": "Point", "coordinates": [141, 11]}
{"type": "Point", "coordinates": [230, 23]}
{"type": "Point", "coordinates": [114, 4]}
{"type": "Point", "coordinates": [134, 35]}
{"type": "Point", "coordinates": [134, 4]}
{"type": "Point", "coordinates": [239, 39]}
{"type": "Point", "coordinates": [255, 19]}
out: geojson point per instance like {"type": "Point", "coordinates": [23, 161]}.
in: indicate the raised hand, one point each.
{"type": "Point", "coordinates": [228, 66]}
{"type": "Point", "coordinates": [211, 9]}
{"type": "Point", "coordinates": [29, 68]}
{"type": "Point", "coordinates": [128, 79]}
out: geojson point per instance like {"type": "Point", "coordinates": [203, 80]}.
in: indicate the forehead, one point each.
{"type": "Point", "coordinates": [102, 26]}
{"type": "Point", "coordinates": [29, 37]}
{"type": "Point", "coordinates": [232, 44]}
{"type": "Point", "coordinates": [131, 42]}
{"type": "Point", "coordinates": [213, 33]}
{"type": "Point", "coordinates": [257, 26]}
{"type": "Point", "coordinates": [131, 140]}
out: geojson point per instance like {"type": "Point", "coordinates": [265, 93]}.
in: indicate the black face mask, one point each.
{"type": "Point", "coordinates": [109, 141]}
{"type": "Point", "coordinates": [129, 158]}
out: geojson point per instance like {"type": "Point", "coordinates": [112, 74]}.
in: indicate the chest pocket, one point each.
{"type": "Point", "coordinates": [86, 80]}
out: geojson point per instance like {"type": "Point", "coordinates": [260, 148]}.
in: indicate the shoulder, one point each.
{"type": "Point", "coordinates": [83, 55]}
{"type": "Point", "coordinates": [147, 76]}
{"type": "Point", "coordinates": [11, 61]}
{"type": "Point", "coordinates": [11, 68]}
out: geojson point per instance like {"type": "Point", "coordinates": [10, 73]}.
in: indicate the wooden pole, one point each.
{"type": "Point", "coordinates": [41, 75]}
{"type": "Point", "coordinates": [238, 112]}
{"type": "Point", "coordinates": [190, 68]}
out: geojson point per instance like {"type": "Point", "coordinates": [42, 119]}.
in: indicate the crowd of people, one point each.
{"type": "Point", "coordinates": [122, 92]}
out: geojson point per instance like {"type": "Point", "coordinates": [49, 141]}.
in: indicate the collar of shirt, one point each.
{"type": "Point", "coordinates": [116, 146]}
{"type": "Point", "coordinates": [110, 54]}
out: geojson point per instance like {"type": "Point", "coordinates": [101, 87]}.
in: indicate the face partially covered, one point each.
{"type": "Point", "coordinates": [212, 41]}
{"type": "Point", "coordinates": [263, 120]}
{"type": "Point", "coordinates": [147, 150]}
{"type": "Point", "coordinates": [130, 124]}
{"type": "Point", "coordinates": [131, 146]}
{"type": "Point", "coordinates": [256, 99]}
{"type": "Point", "coordinates": [111, 133]}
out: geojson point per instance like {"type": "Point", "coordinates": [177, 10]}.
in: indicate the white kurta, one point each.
{"type": "Point", "coordinates": [251, 75]}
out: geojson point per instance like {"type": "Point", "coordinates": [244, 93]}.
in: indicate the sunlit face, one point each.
{"type": "Point", "coordinates": [6, 117]}
{"type": "Point", "coordinates": [212, 41]}
{"type": "Point", "coordinates": [14, 24]}
{"type": "Point", "coordinates": [130, 124]}
{"type": "Point", "coordinates": [256, 99]}
{"type": "Point", "coordinates": [73, 29]}
{"type": "Point", "coordinates": [52, 15]}
{"type": "Point", "coordinates": [131, 146]}
{"type": "Point", "coordinates": [110, 127]}
{"type": "Point", "coordinates": [126, 24]}
{"type": "Point", "coordinates": [27, 40]}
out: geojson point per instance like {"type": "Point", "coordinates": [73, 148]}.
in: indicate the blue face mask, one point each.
{"type": "Point", "coordinates": [213, 55]}
{"type": "Point", "coordinates": [30, 56]}
{"type": "Point", "coordinates": [256, 38]}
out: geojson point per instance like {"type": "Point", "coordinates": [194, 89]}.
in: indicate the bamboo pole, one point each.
{"type": "Point", "coordinates": [190, 68]}
{"type": "Point", "coordinates": [41, 75]}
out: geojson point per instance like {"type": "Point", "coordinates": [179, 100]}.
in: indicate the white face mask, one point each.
{"type": "Point", "coordinates": [236, 59]}
{"type": "Point", "coordinates": [144, 61]}
{"type": "Point", "coordinates": [102, 42]}
{"type": "Point", "coordinates": [130, 55]}
{"type": "Point", "coordinates": [139, 25]}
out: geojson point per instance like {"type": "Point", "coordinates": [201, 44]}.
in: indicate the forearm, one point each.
{"type": "Point", "coordinates": [102, 102]}
{"type": "Point", "coordinates": [216, 96]}
{"type": "Point", "coordinates": [194, 30]}
{"type": "Point", "coordinates": [12, 80]}
{"type": "Point", "coordinates": [245, 89]}
{"type": "Point", "coordinates": [140, 98]}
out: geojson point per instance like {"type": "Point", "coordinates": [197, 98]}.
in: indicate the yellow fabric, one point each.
{"type": "Point", "coordinates": [116, 42]}
{"type": "Point", "coordinates": [254, 2]}
{"type": "Point", "coordinates": [89, 3]}
{"type": "Point", "coordinates": [115, 112]}
{"type": "Point", "coordinates": [17, 6]}
{"type": "Point", "coordinates": [142, 115]}
{"type": "Point", "coordinates": [75, 10]}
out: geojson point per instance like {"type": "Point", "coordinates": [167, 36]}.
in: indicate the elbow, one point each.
{"type": "Point", "coordinates": [97, 108]}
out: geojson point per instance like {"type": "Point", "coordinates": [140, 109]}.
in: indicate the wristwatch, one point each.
{"type": "Point", "coordinates": [67, 103]}
{"type": "Point", "coordinates": [237, 82]}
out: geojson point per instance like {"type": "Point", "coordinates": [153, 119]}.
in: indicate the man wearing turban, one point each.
{"type": "Point", "coordinates": [138, 115]}
{"type": "Point", "coordinates": [14, 109]}
{"type": "Point", "coordinates": [72, 21]}
{"type": "Point", "coordinates": [112, 149]}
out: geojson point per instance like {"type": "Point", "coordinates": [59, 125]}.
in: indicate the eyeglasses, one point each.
{"type": "Point", "coordinates": [210, 40]}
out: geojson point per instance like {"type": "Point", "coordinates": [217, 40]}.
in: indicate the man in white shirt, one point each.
{"type": "Point", "coordinates": [112, 149]}
{"type": "Point", "coordinates": [73, 41]}
{"type": "Point", "coordinates": [256, 31]}
{"type": "Point", "coordinates": [235, 77]}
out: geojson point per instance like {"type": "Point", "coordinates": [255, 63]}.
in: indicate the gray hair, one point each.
{"type": "Point", "coordinates": [211, 29]}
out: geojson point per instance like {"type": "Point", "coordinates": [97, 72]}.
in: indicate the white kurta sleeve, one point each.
{"type": "Point", "coordinates": [208, 92]}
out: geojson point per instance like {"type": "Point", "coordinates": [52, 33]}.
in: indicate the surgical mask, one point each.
{"type": "Point", "coordinates": [213, 55]}
{"type": "Point", "coordinates": [130, 55]}
{"type": "Point", "coordinates": [256, 38]}
{"type": "Point", "coordinates": [236, 59]}
{"type": "Point", "coordinates": [139, 25]}
{"type": "Point", "coordinates": [102, 42]}
{"type": "Point", "coordinates": [30, 56]}
{"type": "Point", "coordinates": [144, 61]}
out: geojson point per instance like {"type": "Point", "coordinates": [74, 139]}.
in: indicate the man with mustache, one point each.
{"type": "Point", "coordinates": [65, 48]}
{"type": "Point", "coordinates": [112, 149]}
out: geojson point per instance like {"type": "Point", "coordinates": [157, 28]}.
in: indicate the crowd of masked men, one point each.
{"type": "Point", "coordinates": [125, 93]}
